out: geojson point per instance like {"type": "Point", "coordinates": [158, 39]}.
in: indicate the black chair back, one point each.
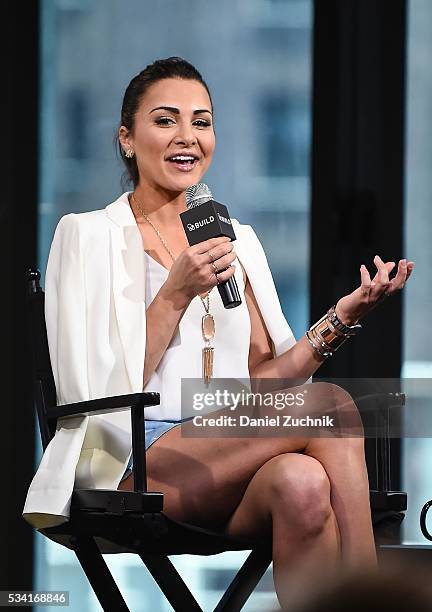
{"type": "Point", "coordinates": [44, 385]}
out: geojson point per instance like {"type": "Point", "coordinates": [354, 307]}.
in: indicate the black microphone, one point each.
{"type": "Point", "coordinates": [206, 219]}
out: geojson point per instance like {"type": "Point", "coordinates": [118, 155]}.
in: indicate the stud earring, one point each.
{"type": "Point", "coordinates": [129, 153]}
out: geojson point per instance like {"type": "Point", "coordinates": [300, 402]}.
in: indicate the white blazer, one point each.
{"type": "Point", "coordinates": [96, 324]}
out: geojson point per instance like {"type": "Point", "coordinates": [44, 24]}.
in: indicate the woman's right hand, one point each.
{"type": "Point", "coordinates": [192, 273]}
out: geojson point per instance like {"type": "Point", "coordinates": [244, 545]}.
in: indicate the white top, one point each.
{"type": "Point", "coordinates": [183, 356]}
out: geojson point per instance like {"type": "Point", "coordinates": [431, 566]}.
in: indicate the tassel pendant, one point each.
{"type": "Point", "coordinates": [208, 327]}
{"type": "Point", "coordinates": [208, 332]}
{"type": "Point", "coordinates": [207, 362]}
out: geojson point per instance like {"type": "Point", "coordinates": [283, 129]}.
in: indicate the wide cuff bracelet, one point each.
{"type": "Point", "coordinates": [329, 333]}
{"type": "Point", "coordinates": [347, 330]}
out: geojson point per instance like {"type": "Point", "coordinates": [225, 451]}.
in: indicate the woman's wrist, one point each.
{"type": "Point", "coordinates": [346, 318]}
{"type": "Point", "coordinates": [176, 297]}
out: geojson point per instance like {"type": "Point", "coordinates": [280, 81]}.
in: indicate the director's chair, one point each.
{"type": "Point", "coordinates": [108, 521]}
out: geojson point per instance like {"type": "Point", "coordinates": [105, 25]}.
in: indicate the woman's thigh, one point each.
{"type": "Point", "coordinates": [204, 476]}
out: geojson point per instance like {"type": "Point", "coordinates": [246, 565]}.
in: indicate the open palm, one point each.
{"type": "Point", "coordinates": [371, 292]}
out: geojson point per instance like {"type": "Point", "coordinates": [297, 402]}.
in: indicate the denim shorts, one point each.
{"type": "Point", "coordinates": [153, 430]}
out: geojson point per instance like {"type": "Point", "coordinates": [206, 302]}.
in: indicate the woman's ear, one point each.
{"type": "Point", "coordinates": [125, 138]}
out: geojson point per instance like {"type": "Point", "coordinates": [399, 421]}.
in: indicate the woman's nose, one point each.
{"type": "Point", "coordinates": [185, 136]}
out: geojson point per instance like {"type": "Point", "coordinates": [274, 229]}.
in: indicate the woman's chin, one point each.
{"type": "Point", "coordinates": [182, 183]}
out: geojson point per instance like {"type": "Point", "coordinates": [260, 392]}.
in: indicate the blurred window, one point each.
{"type": "Point", "coordinates": [417, 346]}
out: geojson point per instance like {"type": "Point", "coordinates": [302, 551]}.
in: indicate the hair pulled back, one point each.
{"type": "Point", "coordinates": [171, 67]}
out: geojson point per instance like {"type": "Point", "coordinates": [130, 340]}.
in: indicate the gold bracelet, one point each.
{"type": "Point", "coordinates": [329, 333]}
{"type": "Point", "coordinates": [316, 348]}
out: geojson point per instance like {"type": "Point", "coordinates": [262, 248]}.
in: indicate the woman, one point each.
{"type": "Point", "coordinates": [283, 485]}
{"type": "Point", "coordinates": [309, 494]}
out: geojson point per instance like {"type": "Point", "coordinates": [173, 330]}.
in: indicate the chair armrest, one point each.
{"type": "Point", "coordinates": [136, 403]}
{"type": "Point", "coordinates": [104, 405]}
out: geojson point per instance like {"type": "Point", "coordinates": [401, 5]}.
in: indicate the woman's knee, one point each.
{"type": "Point", "coordinates": [300, 492]}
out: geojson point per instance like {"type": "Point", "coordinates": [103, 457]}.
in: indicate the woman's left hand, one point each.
{"type": "Point", "coordinates": [362, 300]}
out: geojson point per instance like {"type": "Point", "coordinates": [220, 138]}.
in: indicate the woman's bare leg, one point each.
{"type": "Point", "coordinates": [288, 499]}
{"type": "Point", "coordinates": [204, 479]}
{"type": "Point", "coordinates": [343, 460]}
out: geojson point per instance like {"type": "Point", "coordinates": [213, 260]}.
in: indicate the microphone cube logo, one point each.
{"type": "Point", "coordinates": [193, 226]}
{"type": "Point", "coordinates": [208, 220]}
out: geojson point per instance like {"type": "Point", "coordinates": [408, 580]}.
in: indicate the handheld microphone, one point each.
{"type": "Point", "coordinates": [206, 219]}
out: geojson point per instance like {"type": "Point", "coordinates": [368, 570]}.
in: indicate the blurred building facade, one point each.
{"type": "Point", "coordinates": [417, 452]}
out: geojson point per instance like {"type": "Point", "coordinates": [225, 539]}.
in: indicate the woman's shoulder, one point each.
{"type": "Point", "coordinates": [247, 236]}
{"type": "Point", "coordinates": [80, 229]}
{"type": "Point", "coordinates": [243, 228]}
{"type": "Point", "coordinates": [93, 221]}
{"type": "Point", "coordinates": [82, 219]}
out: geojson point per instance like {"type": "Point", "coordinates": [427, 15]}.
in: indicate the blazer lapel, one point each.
{"type": "Point", "coordinates": [128, 269]}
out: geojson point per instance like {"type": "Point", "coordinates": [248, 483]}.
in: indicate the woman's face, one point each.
{"type": "Point", "coordinates": [174, 118]}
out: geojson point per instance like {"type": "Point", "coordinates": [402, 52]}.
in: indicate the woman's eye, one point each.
{"type": "Point", "coordinates": [163, 120]}
{"type": "Point", "coordinates": [202, 123]}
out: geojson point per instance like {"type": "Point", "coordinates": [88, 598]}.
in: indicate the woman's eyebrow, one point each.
{"type": "Point", "coordinates": [175, 110]}
{"type": "Point", "coordinates": [172, 109]}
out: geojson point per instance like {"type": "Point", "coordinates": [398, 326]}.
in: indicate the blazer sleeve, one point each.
{"type": "Point", "coordinates": [65, 312]}
{"type": "Point", "coordinates": [49, 495]}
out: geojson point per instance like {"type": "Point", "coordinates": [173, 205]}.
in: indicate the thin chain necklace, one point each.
{"type": "Point", "coordinates": [207, 321]}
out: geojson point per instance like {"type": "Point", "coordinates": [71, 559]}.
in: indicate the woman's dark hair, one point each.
{"type": "Point", "coordinates": [172, 67]}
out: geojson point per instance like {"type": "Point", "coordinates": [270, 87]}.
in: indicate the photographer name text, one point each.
{"type": "Point", "coordinates": [279, 420]}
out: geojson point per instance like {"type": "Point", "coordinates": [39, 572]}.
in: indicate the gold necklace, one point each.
{"type": "Point", "coordinates": [207, 321]}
